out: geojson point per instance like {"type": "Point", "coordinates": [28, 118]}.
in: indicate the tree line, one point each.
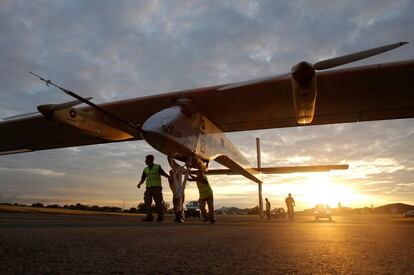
{"type": "Point", "coordinates": [78, 206]}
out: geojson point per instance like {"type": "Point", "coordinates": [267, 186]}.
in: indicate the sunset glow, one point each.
{"type": "Point", "coordinates": [320, 188]}
{"type": "Point", "coordinates": [310, 189]}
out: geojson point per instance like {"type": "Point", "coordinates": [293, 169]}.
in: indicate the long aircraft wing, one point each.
{"type": "Point", "coordinates": [374, 92]}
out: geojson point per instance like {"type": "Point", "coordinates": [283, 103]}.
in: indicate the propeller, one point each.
{"type": "Point", "coordinates": [320, 65]}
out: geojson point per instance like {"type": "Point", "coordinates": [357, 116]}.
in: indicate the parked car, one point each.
{"type": "Point", "coordinates": [322, 211]}
{"type": "Point", "coordinates": [192, 210]}
{"type": "Point", "coordinates": [409, 214]}
{"type": "Point", "coordinates": [278, 213]}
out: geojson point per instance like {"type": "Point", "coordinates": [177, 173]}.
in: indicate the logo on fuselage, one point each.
{"type": "Point", "coordinates": [171, 131]}
{"type": "Point", "coordinates": [72, 116]}
{"type": "Point", "coordinates": [72, 113]}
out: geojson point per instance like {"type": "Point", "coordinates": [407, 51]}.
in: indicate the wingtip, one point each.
{"type": "Point", "coordinates": [403, 43]}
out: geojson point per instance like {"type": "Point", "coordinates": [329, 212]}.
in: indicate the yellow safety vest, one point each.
{"type": "Point", "coordinates": [204, 188]}
{"type": "Point", "coordinates": [153, 176]}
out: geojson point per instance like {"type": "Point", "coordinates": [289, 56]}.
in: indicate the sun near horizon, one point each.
{"type": "Point", "coordinates": [310, 189]}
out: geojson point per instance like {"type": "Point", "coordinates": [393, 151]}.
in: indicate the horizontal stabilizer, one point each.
{"type": "Point", "coordinates": [236, 168]}
{"type": "Point", "coordinates": [283, 170]}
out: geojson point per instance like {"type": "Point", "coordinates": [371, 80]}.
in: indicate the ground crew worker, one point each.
{"type": "Point", "coordinates": [152, 177]}
{"type": "Point", "coordinates": [177, 202]}
{"type": "Point", "coordinates": [268, 206]}
{"type": "Point", "coordinates": [290, 203]}
{"type": "Point", "coordinates": [206, 196]}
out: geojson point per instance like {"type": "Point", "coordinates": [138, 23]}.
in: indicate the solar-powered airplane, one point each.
{"type": "Point", "coordinates": [189, 126]}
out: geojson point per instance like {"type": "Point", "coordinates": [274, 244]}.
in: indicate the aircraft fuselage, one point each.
{"type": "Point", "coordinates": [181, 134]}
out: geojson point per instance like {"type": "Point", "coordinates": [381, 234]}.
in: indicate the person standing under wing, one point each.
{"type": "Point", "coordinates": [152, 177]}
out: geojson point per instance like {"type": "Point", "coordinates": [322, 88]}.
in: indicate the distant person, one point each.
{"type": "Point", "coordinates": [152, 177]}
{"type": "Point", "coordinates": [290, 203]}
{"type": "Point", "coordinates": [206, 196]}
{"type": "Point", "coordinates": [268, 206]}
{"type": "Point", "coordinates": [177, 202]}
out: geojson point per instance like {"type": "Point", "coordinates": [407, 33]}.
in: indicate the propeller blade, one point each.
{"type": "Point", "coordinates": [341, 60]}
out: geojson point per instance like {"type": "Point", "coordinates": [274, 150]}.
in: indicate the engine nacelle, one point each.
{"type": "Point", "coordinates": [90, 122]}
{"type": "Point", "coordinates": [304, 91]}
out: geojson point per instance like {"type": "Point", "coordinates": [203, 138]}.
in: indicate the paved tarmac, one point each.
{"type": "Point", "coordinates": [33, 243]}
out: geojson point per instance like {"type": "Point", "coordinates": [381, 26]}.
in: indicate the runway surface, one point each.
{"type": "Point", "coordinates": [70, 244]}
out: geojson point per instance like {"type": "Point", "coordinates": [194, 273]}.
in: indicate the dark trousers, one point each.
{"type": "Point", "coordinates": [156, 194]}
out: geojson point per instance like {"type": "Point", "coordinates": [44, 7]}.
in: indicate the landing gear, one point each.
{"type": "Point", "coordinates": [179, 176]}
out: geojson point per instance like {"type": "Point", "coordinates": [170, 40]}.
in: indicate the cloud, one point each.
{"type": "Point", "coordinates": [43, 172]}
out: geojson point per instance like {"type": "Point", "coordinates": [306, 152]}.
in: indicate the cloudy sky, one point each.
{"type": "Point", "coordinates": [113, 50]}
